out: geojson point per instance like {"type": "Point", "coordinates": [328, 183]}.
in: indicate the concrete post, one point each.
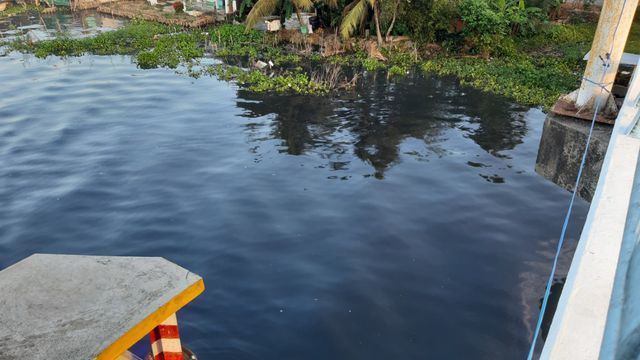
{"type": "Point", "coordinates": [615, 14]}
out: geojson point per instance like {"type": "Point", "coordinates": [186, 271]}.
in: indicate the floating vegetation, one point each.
{"type": "Point", "coordinates": [155, 45]}
{"type": "Point", "coordinates": [396, 70]}
{"type": "Point", "coordinates": [327, 79]}
{"type": "Point", "coordinates": [13, 10]}
{"type": "Point", "coordinates": [371, 64]}
{"type": "Point", "coordinates": [528, 81]}
{"type": "Point", "coordinates": [130, 39]}
{"type": "Point", "coordinates": [152, 45]}
{"type": "Point", "coordinates": [529, 72]}
{"type": "Point", "coordinates": [256, 80]}
{"type": "Point", "coordinates": [172, 50]}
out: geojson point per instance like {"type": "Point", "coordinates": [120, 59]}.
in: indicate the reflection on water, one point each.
{"type": "Point", "coordinates": [401, 221]}
{"type": "Point", "coordinates": [372, 123]}
{"type": "Point", "coordinates": [42, 27]}
{"type": "Point", "coordinates": [554, 298]}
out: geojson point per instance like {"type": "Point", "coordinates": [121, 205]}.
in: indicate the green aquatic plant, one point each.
{"type": "Point", "coordinates": [534, 71]}
{"type": "Point", "coordinates": [370, 64]}
{"type": "Point", "coordinates": [172, 50]}
{"type": "Point", "coordinates": [233, 40]}
{"type": "Point", "coordinates": [255, 80]}
{"type": "Point", "coordinates": [13, 10]}
{"type": "Point", "coordinates": [528, 81]}
{"type": "Point", "coordinates": [127, 40]}
{"type": "Point", "coordinates": [340, 59]}
{"type": "Point", "coordinates": [152, 45]}
{"type": "Point", "coordinates": [396, 70]}
{"type": "Point", "coordinates": [230, 34]}
{"type": "Point", "coordinates": [402, 58]}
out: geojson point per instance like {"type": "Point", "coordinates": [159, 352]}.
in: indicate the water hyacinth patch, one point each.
{"type": "Point", "coordinates": [530, 72]}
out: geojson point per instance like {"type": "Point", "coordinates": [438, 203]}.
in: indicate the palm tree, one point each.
{"type": "Point", "coordinates": [264, 8]}
{"type": "Point", "coordinates": [396, 5]}
{"type": "Point", "coordinates": [356, 14]}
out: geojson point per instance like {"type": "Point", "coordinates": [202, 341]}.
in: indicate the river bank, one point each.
{"type": "Point", "coordinates": [533, 71]}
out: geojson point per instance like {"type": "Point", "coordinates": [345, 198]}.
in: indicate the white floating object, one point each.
{"type": "Point", "coordinates": [273, 25]}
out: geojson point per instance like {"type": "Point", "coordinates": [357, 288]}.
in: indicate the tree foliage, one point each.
{"type": "Point", "coordinates": [264, 8]}
{"type": "Point", "coordinates": [484, 22]}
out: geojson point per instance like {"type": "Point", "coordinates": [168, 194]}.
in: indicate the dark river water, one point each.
{"type": "Point", "coordinates": [403, 221]}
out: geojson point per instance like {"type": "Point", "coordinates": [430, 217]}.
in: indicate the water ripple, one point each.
{"type": "Point", "coordinates": [358, 227]}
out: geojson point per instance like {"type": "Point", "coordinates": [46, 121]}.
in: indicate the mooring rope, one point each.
{"type": "Point", "coordinates": [606, 63]}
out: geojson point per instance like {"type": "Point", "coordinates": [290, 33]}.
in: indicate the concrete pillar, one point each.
{"type": "Point", "coordinates": [165, 340]}
{"type": "Point", "coordinates": [561, 148]}
{"type": "Point", "coordinates": [615, 14]}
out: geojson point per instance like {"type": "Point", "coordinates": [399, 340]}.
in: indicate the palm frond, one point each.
{"type": "Point", "coordinates": [244, 4]}
{"type": "Point", "coordinates": [353, 18]}
{"type": "Point", "coordinates": [261, 9]}
{"type": "Point", "coordinates": [303, 4]}
{"type": "Point", "coordinates": [332, 3]}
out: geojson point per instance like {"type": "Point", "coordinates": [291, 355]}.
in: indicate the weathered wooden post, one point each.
{"type": "Point", "coordinates": [608, 44]}
{"type": "Point", "coordinates": [563, 137]}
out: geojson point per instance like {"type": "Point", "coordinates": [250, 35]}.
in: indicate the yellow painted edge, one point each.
{"type": "Point", "coordinates": [145, 326]}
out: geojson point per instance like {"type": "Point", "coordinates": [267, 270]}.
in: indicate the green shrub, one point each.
{"type": "Point", "coordinates": [526, 22]}
{"type": "Point", "coordinates": [546, 6]}
{"type": "Point", "coordinates": [488, 23]}
{"type": "Point", "coordinates": [426, 20]}
{"type": "Point", "coordinates": [481, 18]}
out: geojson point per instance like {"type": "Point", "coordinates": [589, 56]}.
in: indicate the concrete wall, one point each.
{"type": "Point", "coordinates": [598, 315]}
{"type": "Point", "coordinates": [622, 335]}
{"type": "Point", "coordinates": [629, 340]}
{"type": "Point", "coordinates": [560, 153]}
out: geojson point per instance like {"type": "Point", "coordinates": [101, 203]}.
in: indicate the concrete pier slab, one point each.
{"type": "Point", "coordinates": [87, 307]}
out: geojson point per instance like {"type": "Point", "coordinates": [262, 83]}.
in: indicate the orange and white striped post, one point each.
{"type": "Point", "coordinates": [165, 340]}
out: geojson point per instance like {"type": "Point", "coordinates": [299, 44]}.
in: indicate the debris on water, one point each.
{"type": "Point", "coordinates": [476, 164]}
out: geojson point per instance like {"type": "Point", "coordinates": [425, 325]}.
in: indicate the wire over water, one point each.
{"type": "Point", "coordinates": [606, 63]}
